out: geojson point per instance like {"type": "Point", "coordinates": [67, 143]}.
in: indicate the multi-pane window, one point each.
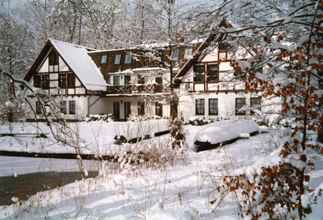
{"type": "Point", "coordinates": [141, 108]}
{"type": "Point", "coordinates": [117, 59]}
{"type": "Point", "coordinates": [116, 111]}
{"type": "Point", "coordinates": [240, 106]}
{"type": "Point", "coordinates": [213, 106]}
{"type": "Point", "coordinates": [116, 80]}
{"type": "Point", "coordinates": [199, 73]}
{"type": "Point", "coordinates": [159, 109]}
{"type": "Point", "coordinates": [70, 80]}
{"type": "Point", "coordinates": [128, 58]}
{"type": "Point", "coordinates": [63, 107]}
{"type": "Point", "coordinates": [45, 81]}
{"type": "Point", "coordinates": [62, 80]}
{"type": "Point", "coordinates": [199, 107]}
{"type": "Point", "coordinates": [188, 53]}
{"type": "Point", "coordinates": [127, 80]}
{"type": "Point", "coordinates": [255, 104]}
{"type": "Point", "coordinates": [72, 107]}
{"type": "Point", "coordinates": [37, 81]}
{"type": "Point", "coordinates": [104, 59]}
{"type": "Point", "coordinates": [39, 108]}
{"type": "Point", "coordinates": [321, 82]}
{"type": "Point", "coordinates": [66, 80]}
{"type": "Point", "coordinates": [175, 54]}
{"type": "Point", "coordinates": [53, 58]}
{"type": "Point", "coordinates": [127, 109]}
{"type": "Point", "coordinates": [41, 81]}
{"type": "Point", "coordinates": [212, 73]}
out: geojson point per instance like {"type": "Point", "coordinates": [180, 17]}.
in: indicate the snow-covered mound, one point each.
{"type": "Point", "coordinates": [223, 132]}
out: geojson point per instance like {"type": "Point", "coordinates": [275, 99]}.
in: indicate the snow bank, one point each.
{"type": "Point", "coordinates": [223, 131]}
{"type": "Point", "coordinates": [95, 137]}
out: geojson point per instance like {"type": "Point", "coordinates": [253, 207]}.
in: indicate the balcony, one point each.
{"type": "Point", "coordinates": [137, 89]}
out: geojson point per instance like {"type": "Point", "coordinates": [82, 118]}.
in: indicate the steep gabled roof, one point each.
{"type": "Point", "coordinates": [217, 37]}
{"type": "Point", "coordinates": [77, 59]}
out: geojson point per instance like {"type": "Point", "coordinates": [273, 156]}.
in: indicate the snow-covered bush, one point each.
{"type": "Point", "coordinates": [198, 121]}
{"type": "Point", "coordinates": [103, 117]}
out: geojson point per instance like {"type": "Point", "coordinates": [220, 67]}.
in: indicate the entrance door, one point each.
{"type": "Point", "coordinates": [116, 111]}
{"type": "Point", "coordinates": [127, 109]}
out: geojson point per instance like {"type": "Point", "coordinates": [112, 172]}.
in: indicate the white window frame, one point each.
{"type": "Point", "coordinates": [117, 58]}
{"type": "Point", "coordinates": [188, 53]}
{"type": "Point", "coordinates": [104, 59]}
{"type": "Point", "coordinates": [128, 58]}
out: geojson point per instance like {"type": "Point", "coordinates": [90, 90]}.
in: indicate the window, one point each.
{"type": "Point", "coordinates": [175, 54]}
{"type": "Point", "coordinates": [321, 82]}
{"type": "Point", "coordinates": [188, 53]}
{"type": "Point", "coordinates": [38, 108]}
{"type": "Point", "coordinates": [116, 80]}
{"type": "Point", "coordinates": [199, 73]}
{"type": "Point", "coordinates": [141, 108]}
{"type": "Point", "coordinates": [70, 80]}
{"type": "Point", "coordinates": [72, 107]}
{"type": "Point", "coordinates": [104, 59]}
{"type": "Point", "coordinates": [223, 55]}
{"type": "Point", "coordinates": [45, 81]}
{"type": "Point", "coordinates": [37, 81]}
{"type": "Point", "coordinates": [240, 105]}
{"type": "Point", "coordinates": [116, 111]}
{"type": "Point", "coordinates": [128, 58]}
{"type": "Point", "coordinates": [159, 80]}
{"type": "Point", "coordinates": [127, 80]}
{"type": "Point", "coordinates": [141, 79]}
{"type": "Point", "coordinates": [63, 107]}
{"type": "Point", "coordinates": [53, 58]}
{"type": "Point", "coordinates": [127, 109]}
{"type": "Point", "coordinates": [213, 73]}
{"type": "Point", "coordinates": [62, 81]}
{"type": "Point", "coordinates": [213, 106]}
{"type": "Point", "coordinates": [66, 80]}
{"type": "Point", "coordinates": [199, 106]}
{"type": "Point", "coordinates": [117, 59]}
{"type": "Point", "coordinates": [255, 104]}
{"type": "Point", "coordinates": [159, 109]}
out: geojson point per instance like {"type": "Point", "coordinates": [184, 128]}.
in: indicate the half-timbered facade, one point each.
{"type": "Point", "coordinates": [209, 89]}
{"type": "Point", "coordinates": [67, 73]}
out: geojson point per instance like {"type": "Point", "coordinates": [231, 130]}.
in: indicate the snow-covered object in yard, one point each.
{"type": "Point", "coordinates": [83, 66]}
{"type": "Point", "coordinates": [223, 131]}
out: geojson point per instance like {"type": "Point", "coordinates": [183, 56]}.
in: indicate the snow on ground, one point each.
{"type": "Point", "coordinates": [95, 137]}
{"type": "Point", "coordinates": [174, 192]}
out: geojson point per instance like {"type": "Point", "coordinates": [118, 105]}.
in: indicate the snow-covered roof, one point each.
{"type": "Point", "coordinates": [77, 58]}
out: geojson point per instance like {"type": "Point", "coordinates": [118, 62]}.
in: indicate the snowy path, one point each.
{"type": "Point", "coordinates": [129, 194]}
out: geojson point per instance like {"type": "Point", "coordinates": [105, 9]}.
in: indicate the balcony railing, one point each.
{"type": "Point", "coordinates": [135, 89]}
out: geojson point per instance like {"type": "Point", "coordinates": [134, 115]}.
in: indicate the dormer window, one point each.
{"type": "Point", "coordinates": [104, 59]}
{"type": "Point", "coordinates": [128, 58]}
{"type": "Point", "coordinates": [117, 59]}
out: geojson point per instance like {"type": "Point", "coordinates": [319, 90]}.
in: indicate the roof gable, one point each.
{"type": "Point", "coordinates": [77, 59]}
